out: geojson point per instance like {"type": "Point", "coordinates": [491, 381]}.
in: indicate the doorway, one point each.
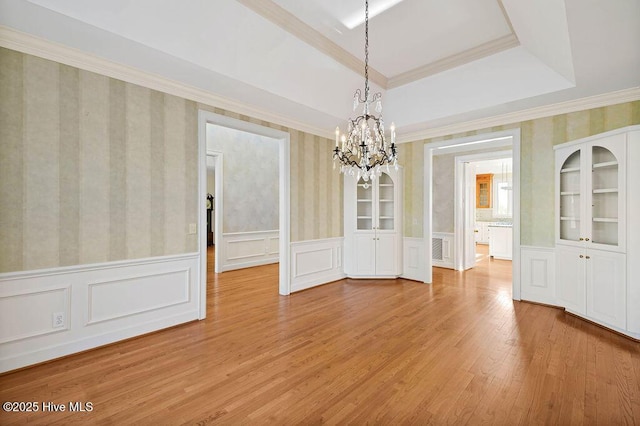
{"type": "Point", "coordinates": [283, 140]}
{"type": "Point", "coordinates": [504, 139]}
{"type": "Point", "coordinates": [485, 208]}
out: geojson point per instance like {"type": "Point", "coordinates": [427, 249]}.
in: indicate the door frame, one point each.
{"type": "Point", "coordinates": [218, 206]}
{"type": "Point", "coordinates": [461, 233]}
{"type": "Point", "coordinates": [486, 140]}
{"type": "Point", "coordinates": [284, 176]}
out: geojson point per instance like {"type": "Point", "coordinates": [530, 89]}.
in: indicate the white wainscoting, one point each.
{"type": "Point", "coordinates": [316, 262]}
{"type": "Point", "coordinates": [247, 249]}
{"type": "Point", "coordinates": [445, 257]}
{"type": "Point", "coordinates": [537, 279]}
{"type": "Point", "coordinates": [98, 304]}
{"type": "Point", "coordinates": [413, 259]}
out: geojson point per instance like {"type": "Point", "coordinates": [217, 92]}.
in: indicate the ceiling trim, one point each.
{"type": "Point", "coordinates": [294, 26]}
{"type": "Point", "coordinates": [485, 49]}
{"type": "Point", "coordinates": [27, 43]}
{"type": "Point", "coordinates": [32, 45]}
{"type": "Point", "coordinates": [597, 101]}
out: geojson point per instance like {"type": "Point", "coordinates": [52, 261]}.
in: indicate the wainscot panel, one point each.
{"type": "Point", "coordinates": [538, 275]}
{"type": "Point", "coordinates": [247, 249]}
{"type": "Point", "coordinates": [46, 314]}
{"type": "Point", "coordinates": [316, 262]}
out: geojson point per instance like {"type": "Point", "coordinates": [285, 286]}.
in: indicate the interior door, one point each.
{"type": "Point", "coordinates": [469, 203]}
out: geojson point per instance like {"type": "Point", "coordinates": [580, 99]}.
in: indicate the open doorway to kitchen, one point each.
{"type": "Point", "coordinates": [461, 202]}
{"type": "Point", "coordinates": [487, 207]}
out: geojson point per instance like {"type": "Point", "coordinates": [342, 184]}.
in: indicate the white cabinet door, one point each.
{"type": "Point", "coordinates": [501, 243]}
{"type": "Point", "coordinates": [606, 287]}
{"type": "Point", "coordinates": [570, 278]}
{"type": "Point", "coordinates": [386, 255]}
{"type": "Point", "coordinates": [365, 253]}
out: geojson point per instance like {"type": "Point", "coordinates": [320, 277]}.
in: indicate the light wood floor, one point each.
{"type": "Point", "coordinates": [382, 352]}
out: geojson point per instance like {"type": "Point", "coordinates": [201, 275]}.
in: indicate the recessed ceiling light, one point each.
{"type": "Point", "coordinates": [357, 17]}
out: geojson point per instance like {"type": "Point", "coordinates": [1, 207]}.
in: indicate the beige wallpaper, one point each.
{"type": "Point", "coordinates": [94, 169]}
{"type": "Point", "coordinates": [536, 163]}
{"type": "Point", "coordinates": [316, 188]}
{"type": "Point", "coordinates": [251, 194]}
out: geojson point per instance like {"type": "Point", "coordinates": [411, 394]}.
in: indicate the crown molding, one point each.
{"type": "Point", "coordinates": [32, 45]}
{"type": "Point", "coordinates": [597, 101]}
{"type": "Point", "coordinates": [294, 26]}
{"type": "Point", "coordinates": [486, 49]}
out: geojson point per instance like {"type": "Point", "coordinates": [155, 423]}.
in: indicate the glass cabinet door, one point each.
{"type": "Point", "coordinates": [570, 198]}
{"type": "Point", "coordinates": [364, 212]}
{"type": "Point", "coordinates": [385, 202]}
{"type": "Point", "coordinates": [604, 197]}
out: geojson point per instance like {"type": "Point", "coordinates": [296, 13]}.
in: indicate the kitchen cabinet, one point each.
{"type": "Point", "coordinates": [501, 242]}
{"type": "Point", "coordinates": [373, 225]}
{"type": "Point", "coordinates": [482, 232]}
{"type": "Point", "coordinates": [483, 190]}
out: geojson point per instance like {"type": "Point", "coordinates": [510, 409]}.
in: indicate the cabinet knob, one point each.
{"type": "Point", "coordinates": [588, 257]}
{"type": "Point", "coordinates": [581, 239]}
{"type": "Point", "coordinates": [586, 239]}
{"type": "Point", "coordinates": [581, 256]}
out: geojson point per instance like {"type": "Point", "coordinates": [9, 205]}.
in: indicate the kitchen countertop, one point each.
{"type": "Point", "coordinates": [501, 224]}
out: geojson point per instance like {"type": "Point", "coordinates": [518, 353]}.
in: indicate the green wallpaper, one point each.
{"type": "Point", "coordinates": [538, 137]}
{"type": "Point", "coordinates": [93, 169]}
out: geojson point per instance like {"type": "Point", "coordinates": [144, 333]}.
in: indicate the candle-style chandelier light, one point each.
{"type": "Point", "coordinates": [365, 149]}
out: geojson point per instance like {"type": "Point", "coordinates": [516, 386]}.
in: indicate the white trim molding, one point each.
{"type": "Point", "coordinates": [597, 101]}
{"type": "Point", "coordinates": [32, 45]}
{"type": "Point", "coordinates": [95, 304]}
{"type": "Point", "coordinates": [247, 249]}
{"type": "Point", "coordinates": [538, 272]}
{"type": "Point", "coordinates": [316, 262]}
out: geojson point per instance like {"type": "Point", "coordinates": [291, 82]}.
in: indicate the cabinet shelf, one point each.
{"type": "Point", "coordinates": [385, 185]}
{"type": "Point", "coordinates": [363, 217]}
{"type": "Point", "coordinates": [570, 170]}
{"type": "Point", "coordinates": [605, 164]}
{"type": "Point", "coordinates": [570, 218]}
{"type": "Point", "coordinates": [570, 193]}
{"type": "Point", "coordinates": [386, 201]}
{"type": "Point", "coordinates": [363, 200]}
{"type": "Point", "coordinates": [605, 191]}
{"type": "Point", "coordinates": [605, 219]}
{"type": "Point", "coordinates": [386, 217]}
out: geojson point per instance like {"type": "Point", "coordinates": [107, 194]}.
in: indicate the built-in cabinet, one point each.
{"type": "Point", "coordinates": [483, 190]}
{"type": "Point", "coordinates": [482, 232]}
{"type": "Point", "coordinates": [373, 225]}
{"type": "Point", "coordinates": [592, 230]}
{"type": "Point", "coordinates": [501, 243]}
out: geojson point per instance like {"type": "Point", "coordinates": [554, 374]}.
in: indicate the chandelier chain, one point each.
{"type": "Point", "coordinates": [364, 149]}
{"type": "Point", "coordinates": [366, 50]}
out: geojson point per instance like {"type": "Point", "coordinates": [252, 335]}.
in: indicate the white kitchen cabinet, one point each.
{"type": "Point", "coordinates": [482, 232]}
{"type": "Point", "coordinates": [373, 226]}
{"type": "Point", "coordinates": [596, 249]}
{"type": "Point", "coordinates": [501, 242]}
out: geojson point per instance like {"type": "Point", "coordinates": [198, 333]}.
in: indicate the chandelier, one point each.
{"type": "Point", "coordinates": [364, 150]}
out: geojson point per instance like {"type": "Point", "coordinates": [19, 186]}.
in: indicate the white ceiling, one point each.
{"type": "Point", "coordinates": [436, 62]}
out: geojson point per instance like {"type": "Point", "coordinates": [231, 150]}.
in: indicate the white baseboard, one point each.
{"type": "Point", "coordinates": [412, 259]}
{"type": "Point", "coordinates": [247, 249]}
{"type": "Point", "coordinates": [98, 304]}
{"type": "Point", "coordinates": [537, 274]}
{"type": "Point", "coordinates": [316, 262]}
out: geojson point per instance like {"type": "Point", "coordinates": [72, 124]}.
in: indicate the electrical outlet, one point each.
{"type": "Point", "coordinates": [193, 228]}
{"type": "Point", "coordinates": [58, 319]}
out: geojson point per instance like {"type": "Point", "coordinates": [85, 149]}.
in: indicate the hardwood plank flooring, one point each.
{"type": "Point", "coordinates": [354, 351]}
